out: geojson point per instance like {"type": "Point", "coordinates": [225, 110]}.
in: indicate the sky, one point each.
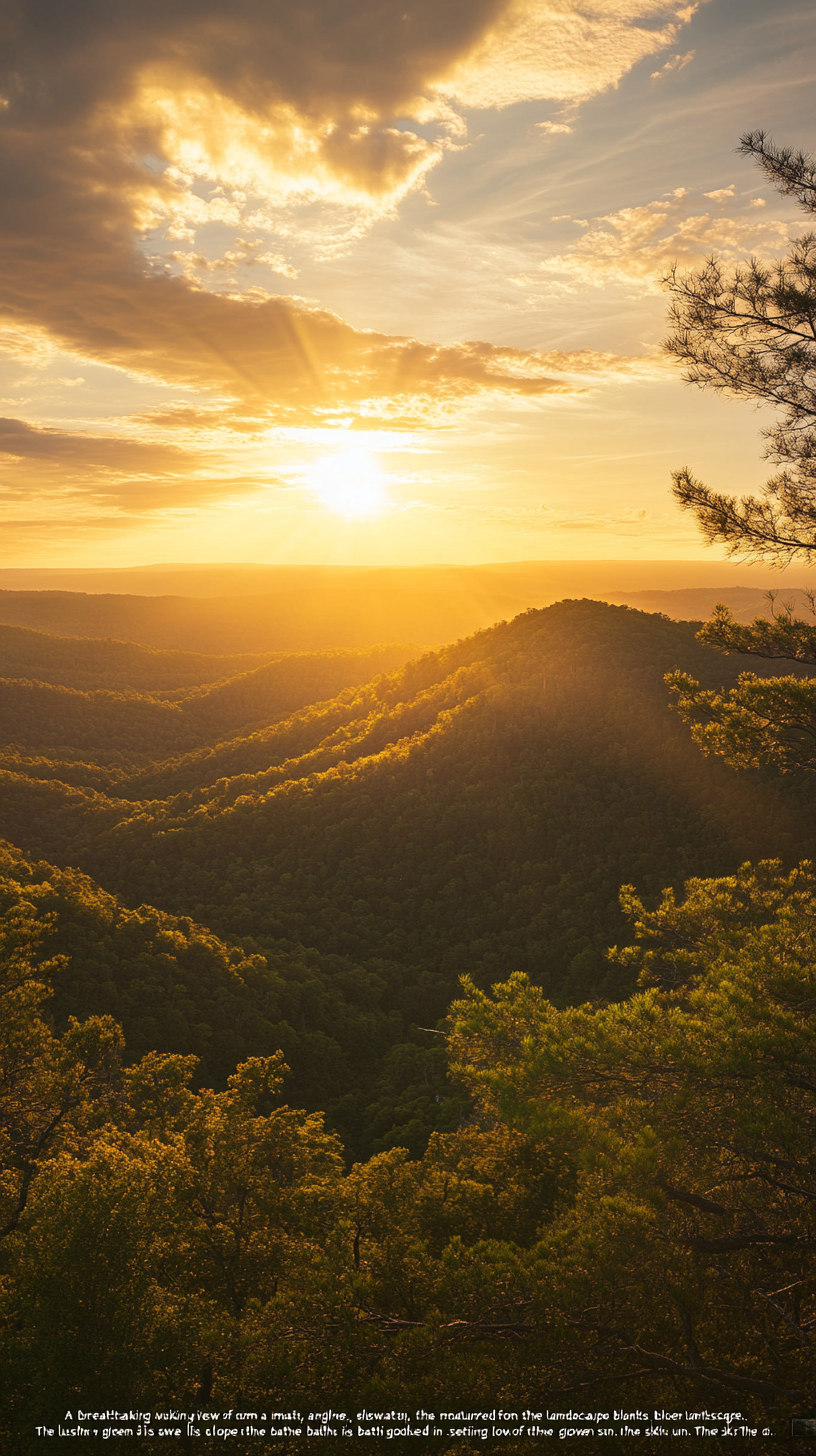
{"type": "Point", "coordinates": [374, 281]}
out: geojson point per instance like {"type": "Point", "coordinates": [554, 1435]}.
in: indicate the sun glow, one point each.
{"type": "Point", "coordinates": [349, 483]}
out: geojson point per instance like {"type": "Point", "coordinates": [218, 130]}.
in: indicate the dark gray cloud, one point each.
{"type": "Point", "coordinates": [323, 57]}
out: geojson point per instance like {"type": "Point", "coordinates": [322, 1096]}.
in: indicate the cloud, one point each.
{"type": "Point", "coordinates": [182, 457]}
{"type": "Point", "coordinates": [283, 358]}
{"type": "Point", "coordinates": [674, 63]}
{"type": "Point", "coordinates": [561, 51]}
{"type": "Point", "coordinates": [277, 105]}
{"type": "Point", "coordinates": [21, 440]}
{"type": "Point", "coordinates": [636, 246]}
{"type": "Point", "coordinates": [243, 254]}
{"type": "Point", "coordinates": [129, 127]}
{"type": "Point", "coordinates": [86, 476]}
{"type": "Point", "coordinates": [30, 343]}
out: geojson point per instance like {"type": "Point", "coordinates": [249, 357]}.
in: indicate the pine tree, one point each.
{"type": "Point", "coordinates": [750, 333]}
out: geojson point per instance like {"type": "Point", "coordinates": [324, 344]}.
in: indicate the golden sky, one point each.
{"type": "Point", "coordinates": [373, 280]}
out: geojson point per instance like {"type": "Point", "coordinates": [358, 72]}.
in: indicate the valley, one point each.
{"type": "Point", "coordinates": [361, 828]}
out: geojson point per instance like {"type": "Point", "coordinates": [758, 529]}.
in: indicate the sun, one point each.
{"type": "Point", "coordinates": [349, 483]}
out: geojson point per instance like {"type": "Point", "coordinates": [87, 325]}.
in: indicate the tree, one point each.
{"type": "Point", "coordinates": [761, 722]}
{"type": "Point", "coordinates": [51, 1088]}
{"type": "Point", "coordinates": [679, 1266]}
{"type": "Point", "coordinates": [751, 333]}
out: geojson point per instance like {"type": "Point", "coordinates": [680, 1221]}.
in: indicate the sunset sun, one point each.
{"type": "Point", "coordinates": [349, 483]}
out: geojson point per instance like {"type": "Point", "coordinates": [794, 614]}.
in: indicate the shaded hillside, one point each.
{"type": "Point", "coordinates": [42, 716]}
{"type": "Point", "coordinates": [174, 986]}
{"type": "Point", "coordinates": [358, 723]}
{"type": "Point", "coordinates": [267, 692]}
{"type": "Point", "coordinates": [38, 715]}
{"type": "Point", "coordinates": [483, 819]}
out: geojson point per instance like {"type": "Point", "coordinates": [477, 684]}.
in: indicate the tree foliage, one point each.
{"type": "Point", "coordinates": [49, 1084]}
{"type": "Point", "coordinates": [628, 1211]}
{"type": "Point", "coordinates": [684, 1251]}
{"type": "Point", "coordinates": [610, 1196]}
{"type": "Point", "coordinates": [761, 722]}
{"type": "Point", "coordinates": [782, 635]}
{"type": "Point", "coordinates": [750, 332]}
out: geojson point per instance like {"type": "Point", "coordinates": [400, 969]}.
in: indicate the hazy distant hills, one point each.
{"type": "Point", "coordinates": [475, 809]}
{"type": "Point", "coordinates": [305, 619]}
{"type": "Point", "coordinates": [258, 610]}
{"type": "Point", "coordinates": [548, 580]}
{"type": "Point", "coordinates": [697, 603]}
{"type": "Point", "coordinates": [87, 663]}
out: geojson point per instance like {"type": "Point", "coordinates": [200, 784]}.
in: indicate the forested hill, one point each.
{"type": "Point", "coordinates": [174, 986]}
{"type": "Point", "coordinates": [475, 810]}
{"type": "Point", "coordinates": [197, 703]}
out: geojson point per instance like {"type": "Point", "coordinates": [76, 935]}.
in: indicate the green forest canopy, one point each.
{"type": "Point", "coordinates": [628, 1206]}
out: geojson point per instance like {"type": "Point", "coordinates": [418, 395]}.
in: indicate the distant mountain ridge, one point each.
{"type": "Point", "coordinates": [268, 611]}
{"type": "Point", "coordinates": [307, 619]}
{"type": "Point", "coordinates": [551, 580]}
